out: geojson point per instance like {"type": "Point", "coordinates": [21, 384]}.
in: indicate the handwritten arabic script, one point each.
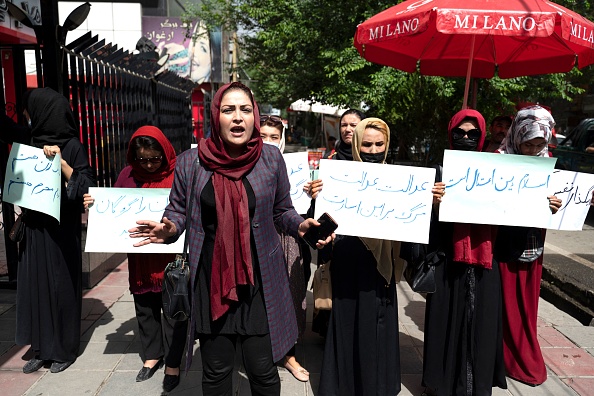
{"type": "Point", "coordinates": [504, 189]}
{"type": "Point", "coordinates": [377, 200]}
{"type": "Point", "coordinates": [116, 210]}
{"type": "Point", "coordinates": [32, 180]}
{"type": "Point", "coordinates": [298, 172]}
{"type": "Point", "coordinates": [575, 191]}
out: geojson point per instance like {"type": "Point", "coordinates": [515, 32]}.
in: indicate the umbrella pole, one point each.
{"type": "Point", "coordinates": [468, 72]}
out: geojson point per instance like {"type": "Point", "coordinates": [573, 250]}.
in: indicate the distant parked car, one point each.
{"type": "Point", "coordinates": [571, 150]}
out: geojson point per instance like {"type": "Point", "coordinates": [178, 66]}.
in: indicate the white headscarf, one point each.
{"type": "Point", "coordinates": [530, 123]}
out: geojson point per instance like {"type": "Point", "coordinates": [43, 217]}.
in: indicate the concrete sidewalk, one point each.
{"type": "Point", "coordinates": [110, 347]}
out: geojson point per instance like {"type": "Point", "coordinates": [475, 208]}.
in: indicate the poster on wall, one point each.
{"type": "Point", "coordinates": [198, 59]}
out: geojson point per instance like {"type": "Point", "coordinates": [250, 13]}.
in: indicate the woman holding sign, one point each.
{"type": "Point", "coordinates": [519, 251]}
{"type": "Point", "coordinates": [362, 355]}
{"type": "Point", "coordinates": [151, 159]}
{"type": "Point", "coordinates": [49, 291]}
{"type": "Point", "coordinates": [463, 348]}
{"type": "Point", "coordinates": [239, 276]}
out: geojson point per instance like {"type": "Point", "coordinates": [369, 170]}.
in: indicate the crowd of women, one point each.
{"type": "Point", "coordinates": [249, 267]}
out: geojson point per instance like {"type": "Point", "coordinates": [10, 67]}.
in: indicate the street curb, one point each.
{"type": "Point", "coordinates": [568, 296]}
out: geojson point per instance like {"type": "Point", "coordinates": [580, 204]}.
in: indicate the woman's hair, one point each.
{"type": "Point", "coordinates": [146, 142]}
{"type": "Point", "coordinates": [378, 126]}
{"type": "Point", "coordinates": [356, 112]}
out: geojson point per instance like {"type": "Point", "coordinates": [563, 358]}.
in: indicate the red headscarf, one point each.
{"type": "Point", "coordinates": [468, 113]}
{"type": "Point", "coordinates": [232, 258]}
{"type": "Point", "coordinates": [473, 243]}
{"type": "Point", "coordinates": [163, 177]}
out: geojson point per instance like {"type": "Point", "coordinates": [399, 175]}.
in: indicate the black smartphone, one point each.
{"type": "Point", "coordinates": [326, 228]}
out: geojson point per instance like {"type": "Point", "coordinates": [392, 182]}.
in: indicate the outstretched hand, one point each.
{"type": "Point", "coordinates": [152, 231]}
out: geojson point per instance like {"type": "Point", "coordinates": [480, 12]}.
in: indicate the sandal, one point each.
{"type": "Point", "coordinates": [299, 373]}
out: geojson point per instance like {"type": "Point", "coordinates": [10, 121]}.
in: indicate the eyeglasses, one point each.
{"type": "Point", "coordinates": [152, 160]}
{"type": "Point", "coordinates": [473, 134]}
{"type": "Point", "coordinates": [275, 119]}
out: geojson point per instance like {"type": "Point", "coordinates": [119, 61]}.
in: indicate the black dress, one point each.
{"type": "Point", "coordinates": [49, 293]}
{"type": "Point", "coordinates": [362, 355]}
{"type": "Point", "coordinates": [463, 348]}
{"type": "Point", "coordinates": [248, 315]}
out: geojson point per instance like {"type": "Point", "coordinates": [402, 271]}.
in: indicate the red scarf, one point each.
{"type": "Point", "coordinates": [163, 177]}
{"type": "Point", "coordinates": [473, 243]}
{"type": "Point", "coordinates": [232, 258]}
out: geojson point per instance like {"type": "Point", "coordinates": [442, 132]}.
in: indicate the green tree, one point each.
{"type": "Point", "coordinates": [303, 49]}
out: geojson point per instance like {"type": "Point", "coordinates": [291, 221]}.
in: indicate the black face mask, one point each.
{"type": "Point", "coordinates": [464, 144]}
{"type": "Point", "coordinates": [376, 158]}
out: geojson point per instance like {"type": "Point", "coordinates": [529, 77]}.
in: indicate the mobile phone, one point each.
{"type": "Point", "coordinates": [323, 231]}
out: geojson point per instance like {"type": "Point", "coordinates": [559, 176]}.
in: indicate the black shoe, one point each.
{"type": "Point", "coordinates": [170, 382]}
{"type": "Point", "coordinates": [58, 367]}
{"type": "Point", "coordinates": [33, 365]}
{"type": "Point", "coordinates": [147, 372]}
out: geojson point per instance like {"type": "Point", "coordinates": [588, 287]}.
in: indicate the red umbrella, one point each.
{"type": "Point", "coordinates": [473, 38]}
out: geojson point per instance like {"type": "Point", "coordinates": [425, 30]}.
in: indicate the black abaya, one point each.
{"type": "Point", "coordinates": [362, 355]}
{"type": "Point", "coordinates": [49, 293]}
{"type": "Point", "coordinates": [463, 348]}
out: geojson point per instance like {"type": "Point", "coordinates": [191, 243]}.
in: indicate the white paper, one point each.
{"type": "Point", "coordinates": [377, 200]}
{"type": "Point", "coordinates": [503, 189]}
{"type": "Point", "coordinates": [299, 174]}
{"type": "Point", "coordinates": [116, 210]}
{"type": "Point", "coordinates": [32, 180]}
{"type": "Point", "coordinates": [575, 191]}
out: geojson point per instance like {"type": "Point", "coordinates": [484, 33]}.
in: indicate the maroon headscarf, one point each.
{"type": "Point", "coordinates": [473, 243]}
{"type": "Point", "coordinates": [163, 177]}
{"type": "Point", "coordinates": [232, 258]}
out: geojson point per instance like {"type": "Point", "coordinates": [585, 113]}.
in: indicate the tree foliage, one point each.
{"type": "Point", "coordinates": [303, 49]}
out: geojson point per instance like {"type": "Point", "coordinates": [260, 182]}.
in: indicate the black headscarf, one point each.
{"type": "Point", "coordinates": [52, 121]}
{"type": "Point", "coordinates": [343, 150]}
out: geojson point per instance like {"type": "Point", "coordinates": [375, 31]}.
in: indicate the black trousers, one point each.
{"type": "Point", "coordinates": [218, 357]}
{"type": "Point", "coordinates": [159, 338]}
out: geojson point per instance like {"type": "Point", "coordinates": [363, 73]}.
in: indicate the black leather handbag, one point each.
{"type": "Point", "coordinates": [420, 271]}
{"type": "Point", "coordinates": [176, 299]}
{"type": "Point", "coordinates": [176, 277]}
{"type": "Point", "coordinates": [17, 232]}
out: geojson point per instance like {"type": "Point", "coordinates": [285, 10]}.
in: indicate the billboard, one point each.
{"type": "Point", "coordinates": [198, 59]}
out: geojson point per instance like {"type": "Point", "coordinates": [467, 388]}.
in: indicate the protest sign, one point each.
{"type": "Point", "coordinates": [574, 189]}
{"type": "Point", "coordinates": [377, 200]}
{"type": "Point", "coordinates": [299, 174]}
{"type": "Point", "coordinates": [32, 180]}
{"type": "Point", "coordinates": [116, 210]}
{"type": "Point", "coordinates": [503, 189]}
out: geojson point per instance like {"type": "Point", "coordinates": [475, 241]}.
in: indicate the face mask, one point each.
{"type": "Point", "coordinates": [464, 144]}
{"type": "Point", "coordinates": [376, 158]}
{"type": "Point", "coordinates": [272, 144]}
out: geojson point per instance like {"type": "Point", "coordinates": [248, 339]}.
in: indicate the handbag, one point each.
{"type": "Point", "coordinates": [421, 259]}
{"type": "Point", "coordinates": [322, 288]}
{"type": "Point", "coordinates": [17, 232]}
{"type": "Point", "coordinates": [176, 277]}
{"type": "Point", "coordinates": [420, 273]}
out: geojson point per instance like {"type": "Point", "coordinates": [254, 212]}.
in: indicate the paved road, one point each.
{"type": "Point", "coordinates": [568, 275]}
